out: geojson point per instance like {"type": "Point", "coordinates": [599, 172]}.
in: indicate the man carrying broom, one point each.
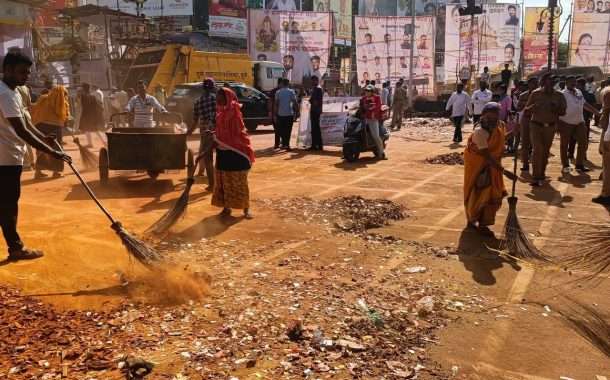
{"type": "Point", "coordinates": [483, 172]}
{"type": "Point", "coordinates": [15, 131]}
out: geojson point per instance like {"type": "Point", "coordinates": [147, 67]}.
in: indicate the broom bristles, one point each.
{"type": "Point", "coordinates": [178, 210]}
{"type": "Point", "coordinates": [175, 213]}
{"type": "Point", "coordinates": [88, 157]}
{"type": "Point", "coordinates": [136, 248]}
{"type": "Point", "coordinates": [594, 256]}
{"type": "Point", "coordinates": [516, 240]}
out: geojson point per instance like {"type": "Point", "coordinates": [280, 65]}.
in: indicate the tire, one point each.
{"type": "Point", "coordinates": [103, 166]}
{"type": "Point", "coordinates": [350, 153]}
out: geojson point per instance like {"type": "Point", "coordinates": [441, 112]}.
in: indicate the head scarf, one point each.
{"type": "Point", "coordinates": [230, 129]}
{"type": "Point", "coordinates": [52, 107]}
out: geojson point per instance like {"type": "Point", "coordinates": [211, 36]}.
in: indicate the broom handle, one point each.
{"type": "Point", "coordinates": [515, 171]}
{"type": "Point", "coordinates": [89, 191]}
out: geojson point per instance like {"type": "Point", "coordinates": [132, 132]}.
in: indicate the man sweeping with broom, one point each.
{"type": "Point", "coordinates": [15, 131]}
{"type": "Point", "coordinates": [483, 172]}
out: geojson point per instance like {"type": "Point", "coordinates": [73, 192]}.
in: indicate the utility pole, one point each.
{"type": "Point", "coordinates": [411, 86]}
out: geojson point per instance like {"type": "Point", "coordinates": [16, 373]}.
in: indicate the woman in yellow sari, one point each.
{"type": "Point", "coordinates": [483, 172]}
{"type": "Point", "coordinates": [49, 115]}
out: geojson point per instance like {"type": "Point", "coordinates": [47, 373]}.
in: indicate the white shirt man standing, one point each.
{"type": "Point", "coordinates": [572, 125]}
{"type": "Point", "coordinates": [458, 103]}
{"type": "Point", "coordinates": [142, 106]}
{"type": "Point", "coordinates": [480, 97]}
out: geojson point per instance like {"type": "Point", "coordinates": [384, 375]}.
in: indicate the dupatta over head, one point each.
{"type": "Point", "coordinates": [230, 128]}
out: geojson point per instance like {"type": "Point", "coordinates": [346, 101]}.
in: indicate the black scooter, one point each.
{"type": "Point", "coordinates": [357, 138]}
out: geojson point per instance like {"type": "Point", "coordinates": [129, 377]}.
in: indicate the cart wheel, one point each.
{"type": "Point", "coordinates": [103, 166]}
{"type": "Point", "coordinates": [190, 163]}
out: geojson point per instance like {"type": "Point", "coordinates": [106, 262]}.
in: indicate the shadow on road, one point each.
{"type": "Point", "coordinates": [359, 164]}
{"type": "Point", "coordinates": [548, 193]}
{"type": "Point", "coordinates": [475, 252]}
{"type": "Point", "coordinates": [124, 188]}
{"type": "Point", "coordinates": [209, 227]}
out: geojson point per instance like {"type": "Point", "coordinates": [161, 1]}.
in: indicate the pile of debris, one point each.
{"type": "Point", "coordinates": [453, 158]}
{"type": "Point", "coordinates": [438, 129]}
{"type": "Point", "coordinates": [352, 214]}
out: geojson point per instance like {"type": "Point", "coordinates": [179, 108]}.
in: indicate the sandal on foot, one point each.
{"type": "Point", "coordinates": [24, 254]}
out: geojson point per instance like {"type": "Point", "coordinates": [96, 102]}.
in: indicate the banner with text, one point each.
{"type": "Point", "coordinates": [332, 121]}
{"type": "Point", "coordinates": [300, 40]}
{"type": "Point", "coordinates": [589, 41]}
{"type": "Point", "coordinates": [150, 8]}
{"type": "Point", "coordinates": [536, 39]}
{"type": "Point", "coordinates": [228, 18]}
{"type": "Point", "coordinates": [493, 40]}
{"type": "Point", "coordinates": [342, 13]}
{"type": "Point", "coordinates": [383, 50]}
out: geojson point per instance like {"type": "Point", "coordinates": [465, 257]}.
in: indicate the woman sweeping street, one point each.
{"type": "Point", "coordinates": [483, 172]}
{"type": "Point", "coordinates": [234, 156]}
{"type": "Point", "coordinates": [50, 114]}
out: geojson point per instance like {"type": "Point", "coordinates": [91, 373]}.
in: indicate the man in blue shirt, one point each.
{"type": "Point", "coordinates": [287, 107]}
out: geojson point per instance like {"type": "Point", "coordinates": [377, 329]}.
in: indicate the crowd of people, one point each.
{"type": "Point", "coordinates": [530, 117]}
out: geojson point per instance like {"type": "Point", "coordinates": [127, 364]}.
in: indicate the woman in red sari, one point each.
{"type": "Point", "coordinates": [234, 156]}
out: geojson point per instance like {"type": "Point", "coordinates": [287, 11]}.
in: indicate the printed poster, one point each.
{"type": "Point", "coordinates": [493, 42]}
{"type": "Point", "coordinates": [383, 50]}
{"type": "Point", "coordinates": [151, 8]}
{"type": "Point", "coordinates": [283, 5]}
{"type": "Point", "coordinates": [342, 13]}
{"type": "Point", "coordinates": [398, 8]}
{"type": "Point", "coordinates": [589, 41]}
{"type": "Point", "coordinates": [535, 40]}
{"type": "Point", "coordinates": [332, 121]}
{"type": "Point", "coordinates": [228, 18]}
{"type": "Point", "coordinates": [299, 40]}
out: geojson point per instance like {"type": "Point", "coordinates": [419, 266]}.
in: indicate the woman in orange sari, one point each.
{"type": "Point", "coordinates": [234, 156]}
{"type": "Point", "coordinates": [483, 172]}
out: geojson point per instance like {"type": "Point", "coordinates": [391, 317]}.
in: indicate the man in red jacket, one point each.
{"type": "Point", "coordinates": [371, 105]}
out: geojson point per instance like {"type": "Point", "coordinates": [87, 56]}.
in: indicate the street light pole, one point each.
{"type": "Point", "coordinates": [411, 87]}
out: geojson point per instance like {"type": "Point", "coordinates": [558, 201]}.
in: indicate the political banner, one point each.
{"type": "Point", "coordinates": [383, 50]}
{"type": "Point", "coordinates": [492, 41]}
{"type": "Point", "coordinates": [398, 8]}
{"type": "Point", "coordinates": [589, 41]}
{"type": "Point", "coordinates": [332, 121]}
{"type": "Point", "coordinates": [300, 40]}
{"type": "Point", "coordinates": [150, 8]}
{"type": "Point", "coordinates": [228, 18]}
{"type": "Point", "coordinates": [536, 39]}
{"type": "Point", "coordinates": [342, 14]}
{"type": "Point", "coordinates": [283, 5]}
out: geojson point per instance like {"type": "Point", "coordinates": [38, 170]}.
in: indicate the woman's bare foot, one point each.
{"type": "Point", "coordinates": [248, 214]}
{"type": "Point", "coordinates": [225, 212]}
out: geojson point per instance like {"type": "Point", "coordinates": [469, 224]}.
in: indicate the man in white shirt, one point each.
{"type": "Point", "coordinates": [385, 94]}
{"type": "Point", "coordinates": [480, 97]}
{"type": "Point", "coordinates": [143, 106]}
{"type": "Point", "coordinates": [458, 104]}
{"type": "Point", "coordinates": [485, 76]}
{"type": "Point", "coordinates": [15, 131]}
{"type": "Point", "coordinates": [572, 125]}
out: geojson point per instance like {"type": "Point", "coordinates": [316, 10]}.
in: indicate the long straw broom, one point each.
{"type": "Point", "coordinates": [594, 257]}
{"type": "Point", "coordinates": [516, 240]}
{"type": "Point", "coordinates": [136, 248]}
{"type": "Point", "coordinates": [88, 158]}
{"type": "Point", "coordinates": [177, 211]}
